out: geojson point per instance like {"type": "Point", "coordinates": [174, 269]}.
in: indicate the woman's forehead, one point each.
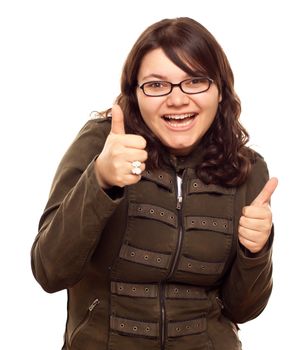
{"type": "Point", "coordinates": [157, 63]}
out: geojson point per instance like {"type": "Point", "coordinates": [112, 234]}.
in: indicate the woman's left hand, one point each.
{"type": "Point", "coordinates": [256, 221]}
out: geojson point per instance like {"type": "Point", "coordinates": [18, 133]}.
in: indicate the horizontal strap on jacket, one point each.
{"type": "Point", "coordinates": [201, 267]}
{"type": "Point", "coordinates": [145, 257]}
{"type": "Point", "coordinates": [197, 186]}
{"type": "Point", "coordinates": [134, 289]}
{"type": "Point", "coordinates": [209, 223]}
{"type": "Point", "coordinates": [173, 291]}
{"type": "Point", "coordinates": [160, 177]}
{"type": "Point", "coordinates": [178, 329]}
{"type": "Point", "coordinates": [123, 325]}
{"type": "Point", "coordinates": [179, 291]}
{"type": "Point", "coordinates": [153, 212]}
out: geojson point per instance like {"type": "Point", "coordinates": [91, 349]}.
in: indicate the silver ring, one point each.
{"type": "Point", "coordinates": [136, 167]}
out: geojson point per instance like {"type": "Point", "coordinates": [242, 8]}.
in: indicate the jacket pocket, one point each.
{"type": "Point", "coordinates": [82, 325]}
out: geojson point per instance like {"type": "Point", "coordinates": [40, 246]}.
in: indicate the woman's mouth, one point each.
{"type": "Point", "coordinates": [179, 121]}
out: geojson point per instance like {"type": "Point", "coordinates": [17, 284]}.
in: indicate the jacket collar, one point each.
{"type": "Point", "coordinates": [180, 163]}
{"type": "Point", "coordinates": [177, 164]}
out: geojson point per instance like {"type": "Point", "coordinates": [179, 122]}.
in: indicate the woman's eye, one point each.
{"type": "Point", "coordinates": [196, 81]}
{"type": "Point", "coordinates": [156, 84]}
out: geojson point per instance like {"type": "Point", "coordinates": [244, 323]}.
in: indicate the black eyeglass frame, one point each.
{"type": "Point", "coordinates": [175, 85]}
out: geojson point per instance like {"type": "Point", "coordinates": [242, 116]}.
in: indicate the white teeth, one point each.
{"type": "Point", "coordinates": [178, 116]}
{"type": "Point", "coordinates": [179, 124]}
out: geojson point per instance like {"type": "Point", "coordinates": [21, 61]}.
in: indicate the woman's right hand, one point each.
{"type": "Point", "coordinates": [113, 166]}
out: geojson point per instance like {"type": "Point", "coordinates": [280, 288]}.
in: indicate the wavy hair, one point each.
{"type": "Point", "coordinates": [226, 158]}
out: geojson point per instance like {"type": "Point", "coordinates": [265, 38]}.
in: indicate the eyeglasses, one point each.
{"type": "Point", "coordinates": [189, 86]}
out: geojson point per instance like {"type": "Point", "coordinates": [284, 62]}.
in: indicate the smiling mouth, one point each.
{"type": "Point", "coordinates": [179, 120]}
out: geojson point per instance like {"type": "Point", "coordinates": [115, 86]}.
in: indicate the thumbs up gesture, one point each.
{"type": "Point", "coordinates": [113, 166]}
{"type": "Point", "coordinates": [256, 221]}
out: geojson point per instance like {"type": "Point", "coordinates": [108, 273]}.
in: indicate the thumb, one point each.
{"type": "Point", "coordinates": [266, 193]}
{"type": "Point", "coordinates": [117, 120]}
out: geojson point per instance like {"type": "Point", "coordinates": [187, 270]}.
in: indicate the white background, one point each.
{"type": "Point", "coordinates": [62, 59]}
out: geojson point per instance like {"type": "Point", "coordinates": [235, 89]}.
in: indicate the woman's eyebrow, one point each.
{"type": "Point", "coordinates": [163, 77]}
{"type": "Point", "coordinates": [153, 75]}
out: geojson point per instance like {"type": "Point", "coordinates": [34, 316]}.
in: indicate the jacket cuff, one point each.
{"type": "Point", "coordinates": [114, 193]}
{"type": "Point", "coordinates": [105, 200]}
{"type": "Point", "coordinates": [252, 259]}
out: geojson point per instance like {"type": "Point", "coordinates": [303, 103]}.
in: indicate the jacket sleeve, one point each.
{"type": "Point", "coordinates": [75, 214]}
{"type": "Point", "coordinates": [248, 286]}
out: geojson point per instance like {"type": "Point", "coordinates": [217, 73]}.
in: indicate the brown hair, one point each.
{"type": "Point", "coordinates": [226, 160]}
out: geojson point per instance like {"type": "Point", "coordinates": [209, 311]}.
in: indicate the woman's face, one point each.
{"type": "Point", "coordinates": [179, 120]}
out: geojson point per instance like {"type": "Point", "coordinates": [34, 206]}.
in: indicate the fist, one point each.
{"type": "Point", "coordinates": [113, 166]}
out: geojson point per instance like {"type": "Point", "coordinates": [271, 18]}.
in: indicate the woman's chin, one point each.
{"type": "Point", "coordinates": [180, 150]}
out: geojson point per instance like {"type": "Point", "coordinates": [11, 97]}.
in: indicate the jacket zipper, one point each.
{"type": "Point", "coordinates": [84, 321]}
{"type": "Point", "coordinates": [179, 201]}
{"type": "Point", "coordinates": [162, 317]}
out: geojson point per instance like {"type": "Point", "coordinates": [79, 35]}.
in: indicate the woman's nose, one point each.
{"type": "Point", "coordinates": [177, 97]}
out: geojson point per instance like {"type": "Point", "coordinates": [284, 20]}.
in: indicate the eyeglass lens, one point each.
{"type": "Point", "coordinates": [189, 86]}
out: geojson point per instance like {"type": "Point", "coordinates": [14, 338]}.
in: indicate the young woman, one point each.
{"type": "Point", "coordinates": [158, 222]}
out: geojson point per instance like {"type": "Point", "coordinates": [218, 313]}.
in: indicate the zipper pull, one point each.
{"type": "Point", "coordinates": [179, 202]}
{"type": "Point", "coordinates": [179, 192]}
{"type": "Point", "coordinates": [220, 302]}
{"type": "Point", "coordinates": [94, 304]}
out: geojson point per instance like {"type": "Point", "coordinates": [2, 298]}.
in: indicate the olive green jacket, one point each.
{"type": "Point", "coordinates": [148, 267]}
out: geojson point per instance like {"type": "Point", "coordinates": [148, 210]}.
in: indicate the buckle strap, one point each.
{"type": "Point", "coordinates": [201, 267]}
{"type": "Point", "coordinates": [178, 291]}
{"type": "Point", "coordinates": [144, 257]}
{"type": "Point", "coordinates": [134, 289]}
{"type": "Point", "coordinates": [209, 223]}
{"type": "Point", "coordinates": [178, 329]}
{"type": "Point", "coordinates": [151, 329]}
{"type": "Point", "coordinates": [153, 212]}
{"type": "Point", "coordinates": [172, 291]}
{"type": "Point", "coordinates": [197, 186]}
{"type": "Point", "coordinates": [123, 325]}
